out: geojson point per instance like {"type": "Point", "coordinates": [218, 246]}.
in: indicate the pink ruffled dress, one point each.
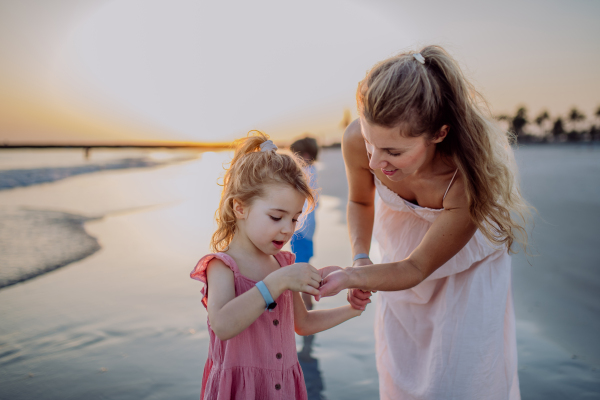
{"type": "Point", "coordinates": [261, 362]}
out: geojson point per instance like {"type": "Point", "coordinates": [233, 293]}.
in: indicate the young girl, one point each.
{"type": "Point", "coordinates": [252, 288]}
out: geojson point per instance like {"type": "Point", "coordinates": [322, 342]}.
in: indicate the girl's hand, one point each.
{"type": "Point", "coordinates": [357, 298]}
{"type": "Point", "coordinates": [299, 277]}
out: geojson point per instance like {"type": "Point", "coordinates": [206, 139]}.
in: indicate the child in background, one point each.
{"type": "Point", "coordinates": [252, 351]}
{"type": "Point", "coordinates": [302, 241]}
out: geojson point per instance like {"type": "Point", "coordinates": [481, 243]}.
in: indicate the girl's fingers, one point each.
{"type": "Point", "coordinates": [317, 282]}
{"type": "Point", "coordinates": [360, 294]}
{"type": "Point", "coordinates": [316, 277]}
{"type": "Point", "coordinates": [311, 290]}
{"type": "Point", "coordinates": [358, 304]}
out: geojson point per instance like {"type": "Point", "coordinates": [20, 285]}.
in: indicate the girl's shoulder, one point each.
{"type": "Point", "coordinates": [199, 271]}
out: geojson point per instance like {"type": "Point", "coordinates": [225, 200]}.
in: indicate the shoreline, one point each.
{"type": "Point", "coordinates": [32, 243]}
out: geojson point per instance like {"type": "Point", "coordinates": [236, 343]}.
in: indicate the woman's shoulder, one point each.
{"type": "Point", "coordinates": [353, 147]}
{"type": "Point", "coordinates": [456, 194]}
{"type": "Point", "coordinates": [353, 134]}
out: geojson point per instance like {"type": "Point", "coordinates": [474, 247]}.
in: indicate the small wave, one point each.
{"type": "Point", "coordinates": [27, 177]}
{"type": "Point", "coordinates": [33, 242]}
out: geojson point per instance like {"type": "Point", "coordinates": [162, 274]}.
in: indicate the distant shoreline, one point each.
{"type": "Point", "coordinates": [200, 146]}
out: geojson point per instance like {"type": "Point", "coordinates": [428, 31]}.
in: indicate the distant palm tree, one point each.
{"type": "Point", "coordinates": [346, 119]}
{"type": "Point", "coordinates": [575, 116]}
{"type": "Point", "coordinates": [539, 120]}
{"type": "Point", "coordinates": [519, 121]}
{"type": "Point", "coordinates": [557, 128]}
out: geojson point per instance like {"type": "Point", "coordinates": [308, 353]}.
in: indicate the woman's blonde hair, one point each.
{"type": "Point", "coordinates": [249, 172]}
{"type": "Point", "coordinates": [421, 98]}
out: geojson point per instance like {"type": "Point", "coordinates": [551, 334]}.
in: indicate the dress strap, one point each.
{"type": "Point", "coordinates": [452, 180]}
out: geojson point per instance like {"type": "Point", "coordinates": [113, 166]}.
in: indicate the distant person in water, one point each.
{"type": "Point", "coordinates": [252, 288]}
{"type": "Point", "coordinates": [302, 241]}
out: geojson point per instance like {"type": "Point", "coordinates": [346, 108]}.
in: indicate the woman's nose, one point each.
{"type": "Point", "coordinates": [376, 161]}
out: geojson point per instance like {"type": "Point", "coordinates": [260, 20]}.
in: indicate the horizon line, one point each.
{"type": "Point", "coordinates": [130, 144]}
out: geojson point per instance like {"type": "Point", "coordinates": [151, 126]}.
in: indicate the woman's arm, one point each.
{"type": "Point", "coordinates": [449, 233]}
{"type": "Point", "coordinates": [361, 189]}
{"type": "Point", "coordinates": [314, 321]}
{"type": "Point", "coordinates": [230, 315]}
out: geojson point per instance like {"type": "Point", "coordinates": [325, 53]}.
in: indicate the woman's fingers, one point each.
{"type": "Point", "coordinates": [328, 270]}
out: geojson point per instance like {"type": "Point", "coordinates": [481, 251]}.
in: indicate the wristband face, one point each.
{"type": "Point", "coordinates": [264, 291]}
{"type": "Point", "coordinates": [359, 256]}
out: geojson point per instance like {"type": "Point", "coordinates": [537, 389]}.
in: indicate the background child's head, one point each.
{"type": "Point", "coordinates": [251, 171]}
{"type": "Point", "coordinates": [307, 148]}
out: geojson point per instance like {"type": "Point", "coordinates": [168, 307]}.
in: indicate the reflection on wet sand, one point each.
{"type": "Point", "coordinates": [310, 368]}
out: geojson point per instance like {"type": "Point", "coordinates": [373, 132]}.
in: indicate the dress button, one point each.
{"type": "Point", "coordinates": [276, 322]}
{"type": "Point", "coordinates": [277, 386]}
{"type": "Point", "coordinates": [279, 355]}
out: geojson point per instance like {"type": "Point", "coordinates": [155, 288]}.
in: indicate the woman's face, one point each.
{"type": "Point", "coordinates": [397, 156]}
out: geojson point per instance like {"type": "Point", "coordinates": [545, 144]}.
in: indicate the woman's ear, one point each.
{"type": "Point", "coordinates": [441, 134]}
{"type": "Point", "coordinates": [239, 210]}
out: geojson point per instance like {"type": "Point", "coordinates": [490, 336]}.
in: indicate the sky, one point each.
{"type": "Point", "coordinates": [190, 70]}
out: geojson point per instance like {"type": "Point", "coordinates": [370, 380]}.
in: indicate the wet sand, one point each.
{"type": "Point", "coordinates": [127, 323]}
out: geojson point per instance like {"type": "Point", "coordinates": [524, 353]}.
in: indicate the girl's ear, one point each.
{"type": "Point", "coordinates": [239, 210]}
{"type": "Point", "coordinates": [441, 134]}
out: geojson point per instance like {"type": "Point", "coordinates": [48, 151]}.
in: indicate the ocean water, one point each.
{"type": "Point", "coordinates": [121, 318]}
{"type": "Point", "coordinates": [36, 241]}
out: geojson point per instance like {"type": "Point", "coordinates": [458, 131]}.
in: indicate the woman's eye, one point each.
{"type": "Point", "coordinates": [275, 218]}
{"type": "Point", "coordinates": [294, 220]}
{"type": "Point", "coordinates": [394, 154]}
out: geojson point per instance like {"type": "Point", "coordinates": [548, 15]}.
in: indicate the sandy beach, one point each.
{"type": "Point", "coordinates": [126, 321]}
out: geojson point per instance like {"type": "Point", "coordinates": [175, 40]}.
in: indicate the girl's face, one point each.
{"type": "Point", "coordinates": [397, 156]}
{"type": "Point", "coordinates": [270, 221]}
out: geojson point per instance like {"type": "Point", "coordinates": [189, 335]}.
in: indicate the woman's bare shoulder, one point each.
{"type": "Point", "coordinates": [457, 194]}
{"type": "Point", "coordinates": [353, 147]}
{"type": "Point", "coordinates": [353, 135]}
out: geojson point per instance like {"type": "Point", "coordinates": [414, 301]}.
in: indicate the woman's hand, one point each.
{"type": "Point", "coordinates": [335, 282]}
{"type": "Point", "coordinates": [299, 277]}
{"type": "Point", "coordinates": [324, 272]}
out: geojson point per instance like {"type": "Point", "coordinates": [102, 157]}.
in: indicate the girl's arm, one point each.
{"type": "Point", "coordinates": [230, 315]}
{"type": "Point", "coordinates": [361, 189]}
{"type": "Point", "coordinates": [310, 322]}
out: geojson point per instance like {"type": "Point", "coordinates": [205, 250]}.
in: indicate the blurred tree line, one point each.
{"type": "Point", "coordinates": [574, 127]}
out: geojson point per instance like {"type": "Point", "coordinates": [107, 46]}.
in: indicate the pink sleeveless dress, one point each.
{"type": "Point", "coordinates": [261, 362]}
{"type": "Point", "coordinates": [453, 335]}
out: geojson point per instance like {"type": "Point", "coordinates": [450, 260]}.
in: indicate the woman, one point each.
{"type": "Point", "coordinates": [448, 213]}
